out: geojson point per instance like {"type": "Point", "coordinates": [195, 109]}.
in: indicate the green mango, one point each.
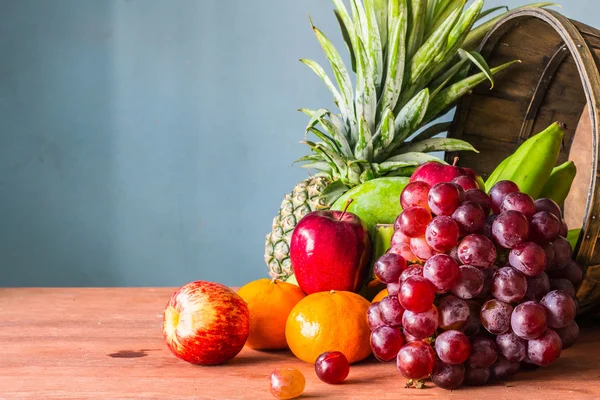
{"type": "Point", "coordinates": [375, 202]}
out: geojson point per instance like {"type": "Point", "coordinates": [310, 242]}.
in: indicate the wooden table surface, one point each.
{"type": "Point", "coordinates": [108, 344]}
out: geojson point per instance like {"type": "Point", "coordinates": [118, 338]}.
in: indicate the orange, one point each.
{"type": "Point", "coordinates": [380, 296]}
{"type": "Point", "coordinates": [269, 303]}
{"type": "Point", "coordinates": [329, 321]}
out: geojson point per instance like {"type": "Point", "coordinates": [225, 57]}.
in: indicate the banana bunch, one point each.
{"type": "Point", "coordinates": [531, 167]}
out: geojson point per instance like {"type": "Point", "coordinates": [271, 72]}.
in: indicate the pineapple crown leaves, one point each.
{"type": "Point", "coordinates": [411, 60]}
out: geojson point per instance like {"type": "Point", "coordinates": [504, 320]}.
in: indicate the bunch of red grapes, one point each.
{"type": "Point", "coordinates": [479, 285]}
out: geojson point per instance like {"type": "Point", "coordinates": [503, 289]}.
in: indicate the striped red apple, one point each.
{"type": "Point", "coordinates": [206, 323]}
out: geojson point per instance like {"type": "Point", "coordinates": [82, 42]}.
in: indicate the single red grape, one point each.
{"type": "Point", "coordinates": [504, 369]}
{"type": "Point", "coordinates": [477, 250]}
{"type": "Point", "coordinates": [529, 258]}
{"type": "Point", "coordinates": [442, 234]}
{"type": "Point", "coordinates": [413, 221]}
{"type": "Point", "coordinates": [484, 352]}
{"type": "Point", "coordinates": [568, 335]}
{"type": "Point", "coordinates": [416, 360]}
{"type": "Point", "coordinates": [453, 313]}
{"type": "Point", "coordinates": [564, 252]}
{"type": "Point", "coordinates": [389, 267]}
{"type": "Point", "coordinates": [286, 383]}
{"type": "Point", "coordinates": [391, 311]}
{"type": "Point", "coordinates": [469, 217]}
{"type": "Point", "coordinates": [518, 201]}
{"type": "Point", "coordinates": [573, 273]}
{"type": "Point", "coordinates": [445, 197]}
{"type": "Point", "coordinates": [537, 287]}
{"type": "Point", "coordinates": [332, 367]}
{"type": "Point", "coordinates": [421, 249]}
{"type": "Point", "coordinates": [415, 194]}
{"type": "Point", "coordinates": [561, 284]}
{"type": "Point", "coordinates": [398, 237]}
{"type": "Point", "coordinates": [442, 271]}
{"type": "Point", "coordinates": [448, 376]}
{"type": "Point", "coordinates": [480, 197]}
{"type": "Point", "coordinates": [403, 249]}
{"type": "Point", "coordinates": [374, 317]}
{"type": "Point", "coordinates": [510, 229]}
{"type": "Point", "coordinates": [453, 347]}
{"type": "Point", "coordinates": [466, 182]}
{"type": "Point", "coordinates": [560, 309]}
{"type": "Point", "coordinates": [420, 325]}
{"type": "Point", "coordinates": [495, 316]}
{"type": "Point", "coordinates": [393, 288]}
{"type": "Point", "coordinates": [548, 205]}
{"type": "Point", "coordinates": [528, 320]}
{"type": "Point", "coordinates": [499, 191]}
{"type": "Point", "coordinates": [476, 376]}
{"type": "Point", "coordinates": [509, 285]}
{"type": "Point", "coordinates": [416, 294]}
{"type": "Point", "coordinates": [512, 347]}
{"type": "Point", "coordinates": [545, 349]}
{"type": "Point", "coordinates": [386, 342]}
{"type": "Point", "coordinates": [413, 270]}
{"type": "Point", "coordinates": [544, 228]}
{"type": "Point", "coordinates": [469, 284]}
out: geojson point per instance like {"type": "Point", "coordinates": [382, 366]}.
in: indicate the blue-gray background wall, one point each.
{"type": "Point", "coordinates": [149, 143]}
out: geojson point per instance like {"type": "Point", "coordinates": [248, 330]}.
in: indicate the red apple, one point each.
{"type": "Point", "coordinates": [330, 250]}
{"type": "Point", "coordinates": [206, 323]}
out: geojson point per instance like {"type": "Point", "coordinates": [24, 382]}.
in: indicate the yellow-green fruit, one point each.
{"type": "Point", "coordinates": [376, 201]}
{"type": "Point", "coordinates": [559, 184]}
{"type": "Point", "coordinates": [531, 165]}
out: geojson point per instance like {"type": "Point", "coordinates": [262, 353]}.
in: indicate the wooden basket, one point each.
{"type": "Point", "coordinates": [558, 80]}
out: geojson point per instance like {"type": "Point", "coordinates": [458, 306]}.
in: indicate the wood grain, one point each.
{"type": "Point", "coordinates": [107, 344]}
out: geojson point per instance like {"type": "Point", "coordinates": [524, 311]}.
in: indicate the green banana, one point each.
{"type": "Point", "coordinates": [531, 165]}
{"type": "Point", "coordinates": [559, 184]}
{"type": "Point", "coordinates": [493, 178]}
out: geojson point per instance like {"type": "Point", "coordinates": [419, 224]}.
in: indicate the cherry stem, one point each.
{"type": "Point", "coordinates": [455, 161]}
{"type": "Point", "coordinates": [350, 200]}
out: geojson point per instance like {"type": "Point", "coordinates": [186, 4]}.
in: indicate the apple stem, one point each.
{"type": "Point", "coordinates": [350, 200]}
{"type": "Point", "coordinates": [455, 161]}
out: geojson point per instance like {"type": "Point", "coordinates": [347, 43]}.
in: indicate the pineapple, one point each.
{"type": "Point", "coordinates": [411, 60]}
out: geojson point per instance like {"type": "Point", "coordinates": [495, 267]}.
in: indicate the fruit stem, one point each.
{"type": "Point", "coordinates": [455, 161]}
{"type": "Point", "coordinates": [350, 200]}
